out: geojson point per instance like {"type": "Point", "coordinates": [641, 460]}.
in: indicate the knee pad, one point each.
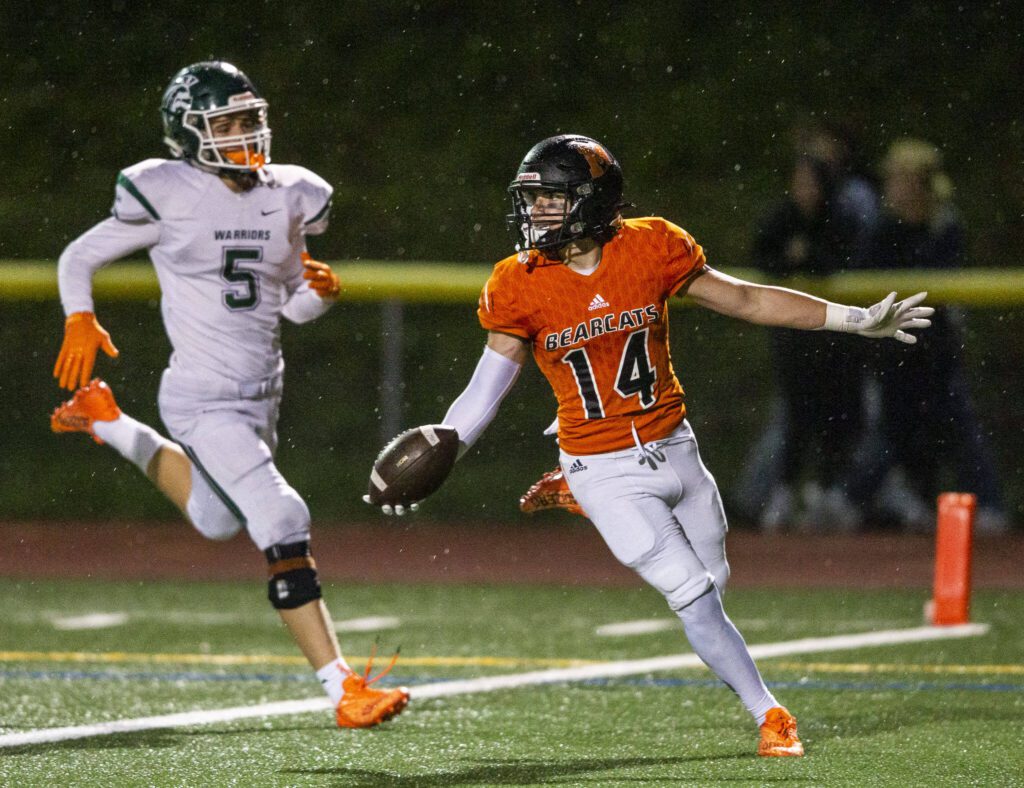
{"type": "Point", "coordinates": [677, 574]}
{"type": "Point", "coordinates": [210, 516]}
{"type": "Point", "coordinates": [293, 579]}
{"type": "Point", "coordinates": [689, 592]}
{"type": "Point", "coordinates": [278, 516]}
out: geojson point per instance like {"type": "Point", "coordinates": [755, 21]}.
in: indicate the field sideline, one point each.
{"type": "Point", "coordinates": [529, 551]}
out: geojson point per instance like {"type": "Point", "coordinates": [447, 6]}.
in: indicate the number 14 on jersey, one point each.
{"type": "Point", "coordinates": [635, 378]}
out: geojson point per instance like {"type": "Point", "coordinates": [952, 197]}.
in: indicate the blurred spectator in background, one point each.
{"type": "Point", "coordinates": [824, 225]}
{"type": "Point", "coordinates": [855, 194]}
{"type": "Point", "coordinates": [930, 436]}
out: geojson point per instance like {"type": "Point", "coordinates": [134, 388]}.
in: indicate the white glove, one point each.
{"type": "Point", "coordinates": [396, 509]}
{"type": "Point", "coordinates": [887, 318]}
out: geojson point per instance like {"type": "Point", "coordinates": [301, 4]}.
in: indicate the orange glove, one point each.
{"type": "Point", "coordinates": [550, 492]}
{"type": "Point", "coordinates": [321, 278]}
{"type": "Point", "coordinates": [83, 336]}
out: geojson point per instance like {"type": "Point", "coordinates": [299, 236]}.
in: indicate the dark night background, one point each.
{"type": "Point", "coordinates": [418, 114]}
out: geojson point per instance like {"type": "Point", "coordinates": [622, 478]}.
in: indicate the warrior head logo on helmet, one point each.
{"type": "Point", "coordinates": [180, 98]}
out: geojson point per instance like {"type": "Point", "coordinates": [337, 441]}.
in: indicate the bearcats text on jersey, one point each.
{"type": "Point", "coordinates": [606, 324]}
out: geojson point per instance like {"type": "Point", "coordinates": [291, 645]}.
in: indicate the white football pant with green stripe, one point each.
{"type": "Point", "coordinates": [229, 432]}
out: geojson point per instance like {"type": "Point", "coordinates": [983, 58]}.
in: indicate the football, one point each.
{"type": "Point", "coordinates": [413, 465]}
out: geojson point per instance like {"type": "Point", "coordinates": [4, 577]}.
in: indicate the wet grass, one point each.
{"type": "Point", "coordinates": [937, 713]}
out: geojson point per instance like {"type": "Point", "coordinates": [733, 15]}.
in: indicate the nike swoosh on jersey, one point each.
{"type": "Point", "coordinates": [267, 213]}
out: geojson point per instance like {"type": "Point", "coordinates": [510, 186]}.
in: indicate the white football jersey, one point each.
{"type": "Point", "coordinates": [227, 262]}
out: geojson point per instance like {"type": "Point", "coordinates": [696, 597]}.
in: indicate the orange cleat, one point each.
{"type": "Point", "coordinates": [92, 402]}
{"type": "Point", "coordinates": [551, 492]}
{"type": "Point", "coordinates": [362, 707]}
{"type": "Point", "coordinates": [778, 735]}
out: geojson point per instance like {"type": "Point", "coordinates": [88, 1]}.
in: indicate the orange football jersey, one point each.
{"type": "Point", "coordinates": [602, 340]}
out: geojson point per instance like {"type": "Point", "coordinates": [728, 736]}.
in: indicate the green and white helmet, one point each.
{"type": "Point", "coordinates": [198, 94]}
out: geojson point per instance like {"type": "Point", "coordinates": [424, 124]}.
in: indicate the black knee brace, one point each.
{"type": "Point", "coordinates": [293, 580]}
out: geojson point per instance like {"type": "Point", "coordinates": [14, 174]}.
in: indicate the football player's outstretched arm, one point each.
{"type": "Point", "coordinates": [494, 376]}
{"type": "Point", "coordinates": [83, 335]}
{"type": "Point", "coordinates": [782, 307]}
{"type": "Point", "coordinates": [475, 408]}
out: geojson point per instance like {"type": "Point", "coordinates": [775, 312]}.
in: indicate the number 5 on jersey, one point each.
{"type": "Point", "coordinates": [635, 377]}
{"type": "Point", "coordinates": [244, 292]}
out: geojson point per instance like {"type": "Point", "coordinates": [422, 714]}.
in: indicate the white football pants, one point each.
{"type": "Point", "coordinates": [658, 509]}
{"type": "Point", "coordinates": [229, 432]}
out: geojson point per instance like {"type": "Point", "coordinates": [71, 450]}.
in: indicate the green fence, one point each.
{"type": "Point", "coordinates": [395, 354]}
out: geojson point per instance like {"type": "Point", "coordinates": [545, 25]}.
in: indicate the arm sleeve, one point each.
{"type": "Point", "coordinates": [305, 305]}
{"type": "Point", "coordinates": [107, 241]}
{"type": "Point", "coordinates": [685, 258]}
{"type": "Point", "coordinates": [477, 405]}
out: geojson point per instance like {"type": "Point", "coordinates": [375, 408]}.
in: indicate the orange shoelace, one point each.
{"type": "Point", "coordinates": [369, 666]}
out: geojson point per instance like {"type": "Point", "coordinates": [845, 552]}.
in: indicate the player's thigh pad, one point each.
{"type": "Point", "coordinates": [699, 508]}
{"type": "Point", "coordinates": [631, 506]}
{"type": "Point", "coordinates": [235, 461]}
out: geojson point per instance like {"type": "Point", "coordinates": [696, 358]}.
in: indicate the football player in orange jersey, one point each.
{"type": "Point", "coordinates": [587, 294]}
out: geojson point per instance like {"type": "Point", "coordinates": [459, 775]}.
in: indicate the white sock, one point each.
{"type": "Point", "coordinates": [331, 676]}
{"type": "Point", "coordinates": [760, 711]}
{"type": "Point", "coordinates": [133, 440]}
{"type": "Point", "coordinates": [720, 646]}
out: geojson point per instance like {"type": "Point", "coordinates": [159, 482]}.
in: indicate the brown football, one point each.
{"type": "Point", "coordinates": [413, 465]}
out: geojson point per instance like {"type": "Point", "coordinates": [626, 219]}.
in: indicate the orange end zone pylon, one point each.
{"type": "Point", "coordinates": [951, 595]}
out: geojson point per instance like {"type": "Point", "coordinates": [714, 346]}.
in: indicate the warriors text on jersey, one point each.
{"type": "Point", "coordinates": [228, 263]}
{"type": "Point", "coordinates": [602, 340]}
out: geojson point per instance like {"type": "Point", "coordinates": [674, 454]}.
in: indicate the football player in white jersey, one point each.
{"type": "Point", "coordinates": [226, 231]}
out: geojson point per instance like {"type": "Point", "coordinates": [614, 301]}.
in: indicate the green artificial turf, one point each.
{"type": "Point", "coordinates": [939, 713]}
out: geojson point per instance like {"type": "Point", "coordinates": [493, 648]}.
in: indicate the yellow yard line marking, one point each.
{"type": "Point", "coordinates": [868, 667]}
{"type": "Point", "coordinates": [273, 659]}
{"type": "Point", "coordinates": [496, 662]}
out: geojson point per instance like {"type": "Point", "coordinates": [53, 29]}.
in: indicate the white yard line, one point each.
{"type": "Point", "coordinates": [367, 624]}
{"type": "Point", "coordinates": [491, 683]}
{"type": "Point", "coordinates": [102, 620]}
{"type": "Point", "coordinates": [642, 626]}
{"type": "Point", "coordinates": [90, 621]}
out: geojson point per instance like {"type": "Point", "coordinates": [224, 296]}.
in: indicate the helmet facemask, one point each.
{"type": "Point", "coordinates": [547, 216]}
{"type": "Point", "coordinates": [542, 215]}
{"type": "Point", "coordinates": [247, 152]}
